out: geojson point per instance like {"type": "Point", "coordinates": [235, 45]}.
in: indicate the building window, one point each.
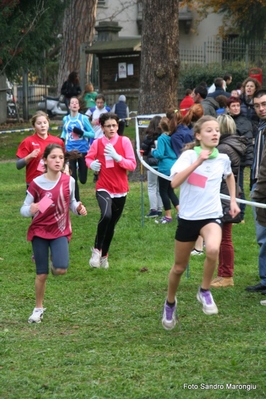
{"type": "Point", "coordinates": [102, 3]}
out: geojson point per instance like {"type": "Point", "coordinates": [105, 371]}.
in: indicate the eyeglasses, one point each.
{"type": "Point", "coordinates": [109, 126]}
{"type": "Point", "coordinates": [257, 106]}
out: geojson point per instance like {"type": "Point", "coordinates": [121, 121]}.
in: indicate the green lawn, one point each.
{"type": "Point", "coordinates": [101, 336]}
{"type": "Point", "coordinates": [9, 141]}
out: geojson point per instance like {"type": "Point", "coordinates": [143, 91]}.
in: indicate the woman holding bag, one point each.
{"type": "Point", "coordinates": [235, 147]}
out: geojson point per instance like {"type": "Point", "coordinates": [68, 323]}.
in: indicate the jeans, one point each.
{"type": "Point", "coordinates": [226, 255]}
{"type": "Point", "coordinates": [153, 192]}
{"type": "Point", "coordinates": [261, 240]}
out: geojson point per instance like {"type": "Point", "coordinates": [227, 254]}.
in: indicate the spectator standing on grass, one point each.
{"type": "Point", "coordinates": [244, 129]}
{"type": "Point", "coordinates": [166, 158]}
{"type": "Point", "coordinates": [198, 173]}
{"type": "Point", "coordinates": [186, 103]}
{"type": "Point", "coordinates": [227, 80]}
{"type": "Point", "coordinates": [235, 147]}
{"type": "Point", "coordinates": [71, 87]}
{"type": "Point", "coordinates": [258, 188]}
{"type": "Point", "coordinates": [30, 150]}
{"type": "Point", "coordinates": [77, 132]}
{"type": "Point", "coordinates": [219, 89]}
{"type": "Point", "coordinates": [222, 101]}
{"type": "Point", "coordinates": [249, 87]}
{"type": "Point", "coordinates": [111, 156]}
{"type": "Point", "coordinates": [181, 127]}
{"type": "Point", "coordinates": [152, 133]}
{"type": "Point", "coordinates": [89, 96]}
{"type": "Point", "coordinates": [122, 111]}
{"type": "Point", "coordinates": [49, 198]}
{"type": "Point", "coordinates": [209, 104]}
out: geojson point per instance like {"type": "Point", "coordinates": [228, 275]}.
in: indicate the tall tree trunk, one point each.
{"type": "Point", "coordinates": [159, 56]}
{"type": "Point", "coordinates": [78, 27]}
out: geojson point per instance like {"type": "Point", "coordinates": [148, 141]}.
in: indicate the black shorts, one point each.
{"type": "Point", "coordinates": [189, 230]}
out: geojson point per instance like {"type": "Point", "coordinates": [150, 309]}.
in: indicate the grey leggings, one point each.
{"type": "Point", "coordinates": [59, 253]}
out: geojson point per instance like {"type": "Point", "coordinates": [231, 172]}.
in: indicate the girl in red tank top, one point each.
{"type": "Point", "coordinates": [49, 198]}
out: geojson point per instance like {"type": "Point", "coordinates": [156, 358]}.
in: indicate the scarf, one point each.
{"type": "Point", "coordinates": [262, 124]}
{"type": "Point", "coordinates": [214, 153]}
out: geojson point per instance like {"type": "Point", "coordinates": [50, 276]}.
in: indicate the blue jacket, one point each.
{"type": "Point", "coordinates": [121, 110]}
{"type": "Point", "coordinates": [165, 154]}
{"type": "Point", "coordinates": [180, 137]}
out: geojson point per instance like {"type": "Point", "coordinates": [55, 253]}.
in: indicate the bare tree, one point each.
{"type": "Point", "coordinates": [159, 56]}
{"type": "Point", "coordinates": [78, 27]}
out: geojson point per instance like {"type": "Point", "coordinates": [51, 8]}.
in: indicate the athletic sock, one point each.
{"type": "Point", "coordinates": [170, 304]}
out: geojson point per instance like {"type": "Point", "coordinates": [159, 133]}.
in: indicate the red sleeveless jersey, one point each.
{"type": "Point", "coordinates": [54, 222]}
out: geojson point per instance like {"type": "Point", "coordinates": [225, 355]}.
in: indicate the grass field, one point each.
{"type": "Point", "coordinates": [101, 336]}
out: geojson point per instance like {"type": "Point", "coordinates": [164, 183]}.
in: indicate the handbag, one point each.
{"type": "Point", "coordinates": [227, 218]}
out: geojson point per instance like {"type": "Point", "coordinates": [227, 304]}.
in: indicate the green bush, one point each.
{"type": "Point", "coordinates": [192, 75]}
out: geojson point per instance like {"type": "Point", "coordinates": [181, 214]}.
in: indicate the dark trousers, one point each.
{"type": "Point", "coordinates": [81, 175]}
{"type": "Point", "coordinates": [121, 127]}
{"type": "Point", "coordinates": [111, 211]}
{"type": "Point", "coordinates": [167, 194]}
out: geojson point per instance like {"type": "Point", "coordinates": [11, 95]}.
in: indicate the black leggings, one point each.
{"type": "Point", "coordinates": [167, 194]}
{"type": "Point", "coordinates": [111, 210]}
{"type": "Point", "coordinates": [82, 173]}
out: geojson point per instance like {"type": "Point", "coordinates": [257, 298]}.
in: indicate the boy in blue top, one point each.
{"type": "Point", "coordinates": [77, 132]}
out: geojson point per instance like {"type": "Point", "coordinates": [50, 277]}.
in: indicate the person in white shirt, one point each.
{"type": "Point", "coordinates": [95, 113]}
{"type": "Point", "coordinates": [199, 172]}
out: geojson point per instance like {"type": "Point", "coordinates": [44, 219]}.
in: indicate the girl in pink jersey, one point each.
{"type": "Point", "coordinates": [111, 156]}
{"type": "Point", "coordinates": [49, 198]}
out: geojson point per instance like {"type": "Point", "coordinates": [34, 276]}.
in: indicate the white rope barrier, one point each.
{"type": "Point", "coordinates": [143, 123]}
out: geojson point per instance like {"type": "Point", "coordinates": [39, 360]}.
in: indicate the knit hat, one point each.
{"type": "Point", "coordinates": [122, 98]}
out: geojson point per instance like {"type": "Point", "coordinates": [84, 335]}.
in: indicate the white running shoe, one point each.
{"type": "Point", "coordinates": [95, 260]}
{"type": "Point", "coordinates": [169, 316]}
{"type": "Point", "coordinates": [209, 306]}
{"type": "Point", "coordinates": [37, 315]}
{"type": "Point", "coordinates": [104, 262]}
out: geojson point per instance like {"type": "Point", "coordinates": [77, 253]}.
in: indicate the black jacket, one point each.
{"type": "Point", "coordinates": [244, 129]}
{"type": "Point", "coordinates": [235, 147]}
{"type": "Point", "coordinates": [146, 146]}
{"type": "Point", "coordinates": [70, 90]}
{"type": "Point", "coordinates": [247, 110]}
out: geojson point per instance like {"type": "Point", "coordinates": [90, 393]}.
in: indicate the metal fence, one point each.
{"type": "Point", "coordinates": [214, 50]}
{"type": "Point", "coordinates": [225, 51]}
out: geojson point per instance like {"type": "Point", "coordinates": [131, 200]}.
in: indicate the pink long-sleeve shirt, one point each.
{"type": "Point", "coordinates": [113, 175]}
